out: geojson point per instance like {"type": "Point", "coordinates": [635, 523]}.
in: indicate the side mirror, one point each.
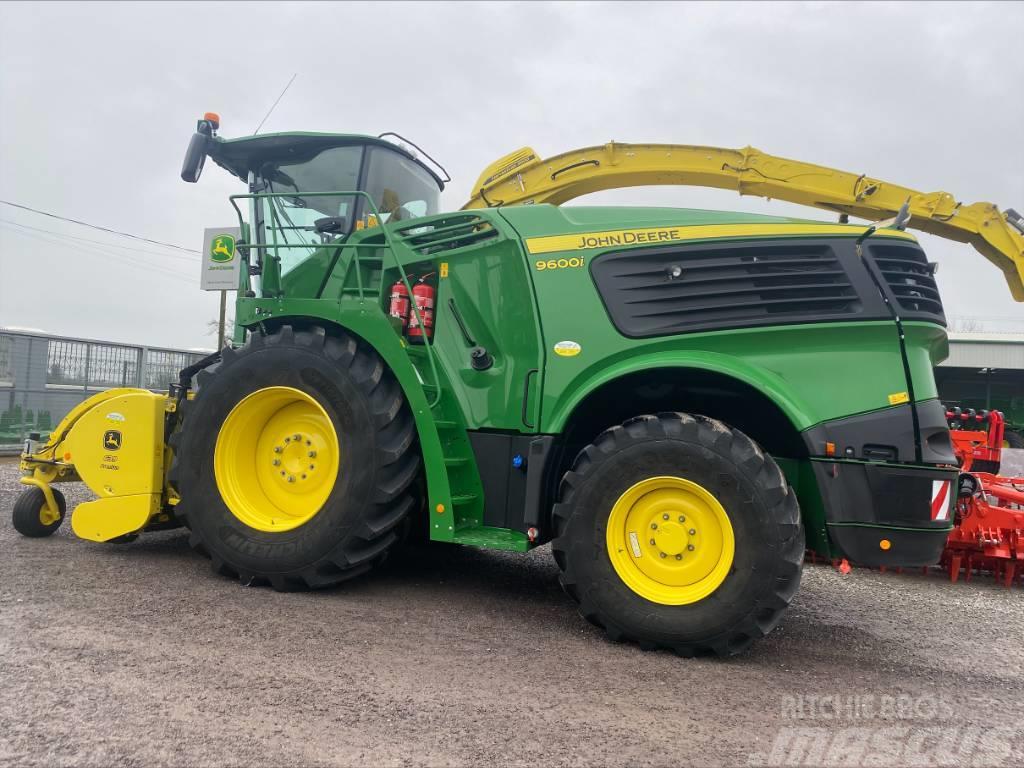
{"type": "Point", "coordinates": [195, 155]}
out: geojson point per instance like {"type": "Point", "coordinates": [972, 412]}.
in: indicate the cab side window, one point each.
{"type": "Point", "coordinates": [400, 189]}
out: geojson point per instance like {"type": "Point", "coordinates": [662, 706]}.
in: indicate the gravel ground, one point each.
{"type": "Point", "coordinates": [136, 654]}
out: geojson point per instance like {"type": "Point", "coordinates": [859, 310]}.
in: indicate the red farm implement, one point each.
{"type": "Point", "coordinates": [988, 535]}
{"type": "Point", "coordinates": [977, 438]}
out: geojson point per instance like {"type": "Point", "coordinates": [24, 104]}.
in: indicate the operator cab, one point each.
{"type": "Point", "coordinates": [320, 187]}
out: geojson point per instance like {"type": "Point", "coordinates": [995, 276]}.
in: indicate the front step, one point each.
{"type": "Point", "coordinates": [492, 538]}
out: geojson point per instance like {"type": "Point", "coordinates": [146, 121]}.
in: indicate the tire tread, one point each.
{"type": "Point", "coordinates": [743, 452]}
{"type": "Point", "coordinates": [397, 460]}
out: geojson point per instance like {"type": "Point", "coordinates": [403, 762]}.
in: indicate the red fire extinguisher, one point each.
{"type": "Point", "coordinates": [423, 294]}
{"type": "Point", "coordinates": [400, 303]}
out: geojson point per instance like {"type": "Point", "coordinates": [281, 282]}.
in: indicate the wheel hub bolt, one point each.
{"type": "Point", "coordinates": [312, 454]}
{"type": "Point", "coordinates": [663, 554]}
{"type": "Point", "coordinates": [287, 439]}
{"type": "Point", "coordinates": [679, 557]}
{"type": "Point", "coordinates": [693, 531]}
{"type": "Point", "coordinates": [297, 436]}
{"type": "Point", "coordinates": [277, 449]}
{"type": "Point", "coordinates": [665, 516]}
{"type": "Point", "coordinates": [690, 547]}
{"type": "Point", "coordinates": [654, 526]}
{"type": "Point", "coordinates": [682, 518]}
{"type": "Point", "coordinates": [653, 542]}
{"type": "Point", "coordinates": [291, 478]}
{"type": "Point", "coordinates": [277, 462]}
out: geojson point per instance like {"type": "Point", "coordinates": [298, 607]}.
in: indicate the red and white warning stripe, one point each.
{"type": "Point", "coordinates": [940, 499]}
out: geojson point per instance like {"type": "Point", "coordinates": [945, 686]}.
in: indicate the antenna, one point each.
{"type": "Point", "coordinates": [272, 106]}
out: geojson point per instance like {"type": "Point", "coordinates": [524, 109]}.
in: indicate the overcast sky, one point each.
{"type": "Point", "coordinates": [97, 103]}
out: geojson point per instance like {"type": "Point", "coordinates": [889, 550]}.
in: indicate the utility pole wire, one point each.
{"type": "Point", "coordinates": [101, 229]}
{"type": "Point", "coordinates": [272, 106]}
{"type": "Point", "coordinates": [117, 257]}
{"type": "Point", "coordinates": [64, 235]}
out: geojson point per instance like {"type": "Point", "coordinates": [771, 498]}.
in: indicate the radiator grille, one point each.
{"type": "Point", "coordinates": [664, 291]}
{"type": "Point", "coordinates": [908, 276]}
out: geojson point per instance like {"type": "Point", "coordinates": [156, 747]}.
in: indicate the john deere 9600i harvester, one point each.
{"type": "Point", "coordinates": [680, 401]}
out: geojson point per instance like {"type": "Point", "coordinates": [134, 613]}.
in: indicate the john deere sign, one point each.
{"type": "Point", "coordinates": [223, 248]}
{"type": "Point", "coordinates": [220, 259]}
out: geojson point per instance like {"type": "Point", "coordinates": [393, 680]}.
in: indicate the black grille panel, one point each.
{"type": "Point", "coordinates": [728, 286]}
{"type": "Point", "coordinates": [906, 273]}
{"type": "Point", "coordinates": [460, 230]}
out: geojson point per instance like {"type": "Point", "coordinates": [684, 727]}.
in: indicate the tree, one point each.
{"type": "Point", "coordinates": [966, 325]}
{"type": "Point", "coordinates": [229, 328]}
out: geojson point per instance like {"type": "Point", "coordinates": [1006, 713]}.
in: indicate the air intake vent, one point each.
{"type": "Point", "coordinates": [665, 291]}
{"type": "Point", "coordinates": [909, 277]}
{"type": "Point", "coordinates": [448, 234]}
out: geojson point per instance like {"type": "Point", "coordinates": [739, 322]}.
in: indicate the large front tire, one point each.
{"type": "Point", "coordinates": [295, 463]}
{"type": "Point", "coordinates": [680, 533]}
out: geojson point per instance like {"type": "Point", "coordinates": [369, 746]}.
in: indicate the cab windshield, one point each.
{"type": "Point", "coordinates": [303, 221]}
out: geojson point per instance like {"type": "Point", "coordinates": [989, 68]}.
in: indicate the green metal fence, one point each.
{"type": "Point", "coordinates": [42, 377]}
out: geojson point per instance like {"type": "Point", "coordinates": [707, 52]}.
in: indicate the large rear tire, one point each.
{"type": "Point", "coordinates": [679, 533]}
{"type": "Point", "coordinates": [295, 463]}
{"type": "Point", "coordinates": [1013, 439]}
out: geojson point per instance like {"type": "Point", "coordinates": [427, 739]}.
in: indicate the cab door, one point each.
{"type": "Point", "coordinates": [487, 330]}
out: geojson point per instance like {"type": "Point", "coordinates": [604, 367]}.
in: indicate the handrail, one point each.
{"type": "Point", "coordinates": [389, 245]}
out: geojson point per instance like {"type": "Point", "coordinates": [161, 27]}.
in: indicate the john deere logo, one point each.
{"type": "Point", "coordinates": [222, 248]}
{"type": "Point", "coordinates": [111, 440]}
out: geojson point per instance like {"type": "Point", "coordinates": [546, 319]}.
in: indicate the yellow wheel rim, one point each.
{"type": "Point", "coordinates": [276, 459]}
{"type": "Point", "coordinates": [670, 540]}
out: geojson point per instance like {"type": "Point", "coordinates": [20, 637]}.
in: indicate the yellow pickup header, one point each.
{"type": "Point", "coordinates": [663, 235]}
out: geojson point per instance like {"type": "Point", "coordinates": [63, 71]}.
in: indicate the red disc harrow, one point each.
{"type": "Point", "coordinates": [988, 532]}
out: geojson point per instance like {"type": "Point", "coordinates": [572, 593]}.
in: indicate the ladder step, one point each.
{"type": "Point", "coordinates": [492, 538]}
{"type": "Point", "coordinates": [445, 424]}
{"type": "Point", "coordinates": [465, 498]}
{"type": "Point", "coordinates": [368, 290]}
{"type": "Point", "coordinates": [456, 461]}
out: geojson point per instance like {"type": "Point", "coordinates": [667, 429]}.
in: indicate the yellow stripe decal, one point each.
{"type": "Point", "coordinates": [586, 240]}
